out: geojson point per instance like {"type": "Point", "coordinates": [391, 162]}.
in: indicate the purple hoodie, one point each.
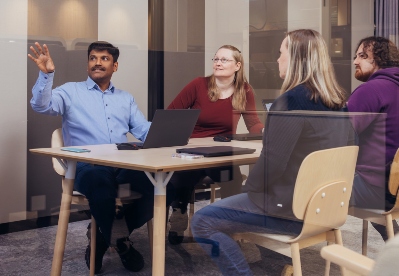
{"type": "Point", "coordinates": [380, 94]}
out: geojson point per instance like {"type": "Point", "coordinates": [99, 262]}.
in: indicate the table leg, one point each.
{"type": "Point", "coordinates": [158, 251]}
{"type": "Point", "coordinates": [63, 220]}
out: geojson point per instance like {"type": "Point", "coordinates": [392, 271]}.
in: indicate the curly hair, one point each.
{"type": "Point", "coordinates": [385, 52]}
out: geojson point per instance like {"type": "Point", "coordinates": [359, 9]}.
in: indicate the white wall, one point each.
{"type": "Point", "coordinates": [304, 14]}
{"type": "Point", "coordinates": [362, 26]}
{"type": "Point", "coordinates": [226, 22]}
{"type": "Point", "coordinates": [124, 23]}
{"type": "Point", "coordinates": [175, 27]}
{"type": "Point", "coordinates": [13, 122]}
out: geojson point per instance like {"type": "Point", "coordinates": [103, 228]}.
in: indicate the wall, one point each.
{"type": "Point", "coordinates": [226, 22]}
{"type": "Point", "coordinates": [362, 26]}
{"type": "Point", "coordinates": [13, 121]}
{"type": "Point", "coordinates": [65, 19]}
{"type": "Point", "coordinates": [184, 42]}
{"type": "Point", "coordinates": [125, 24]}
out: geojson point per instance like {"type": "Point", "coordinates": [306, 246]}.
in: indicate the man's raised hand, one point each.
{"type": "Point", "coordinates": [42, 58]}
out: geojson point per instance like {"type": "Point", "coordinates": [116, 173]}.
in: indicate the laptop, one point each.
{"type": "Point", "coordinates": [267, 103]}
{"type": "Point", "coordinates": [216, 151]}
{"type": "Point", "coordinates": [169, 128]}
{"type": "Point", "coordinates": [246, 136]}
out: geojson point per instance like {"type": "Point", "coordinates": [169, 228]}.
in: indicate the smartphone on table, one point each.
{"type": "Point", "coordinates": [78, 150]}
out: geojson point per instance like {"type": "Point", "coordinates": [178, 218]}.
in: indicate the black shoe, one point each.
{"type": "Point", "coordinates": [131, 259]}
{"type": "Point", "coordinates": [178, 224]}
{"type": "Point", "coordinates": [101, 248]}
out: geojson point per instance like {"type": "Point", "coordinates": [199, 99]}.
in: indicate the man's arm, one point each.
{"type": "Point", "coordinates": [44, 100]}
{"type": "Point", "coordinates": [138, 125]}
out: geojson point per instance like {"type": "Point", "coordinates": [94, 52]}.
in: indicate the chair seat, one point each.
{"type": "Point", "coordinates": [373, 215]}
{"type": "Point", "coordinates": [360, 211]}
{"type": "Point", "coordinates": [276, 237]}
{"type": "Point", "coordinates": [79, 198]}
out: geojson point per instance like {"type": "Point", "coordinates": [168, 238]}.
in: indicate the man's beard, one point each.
{"type": "Point", "coordinates": [361, 76]}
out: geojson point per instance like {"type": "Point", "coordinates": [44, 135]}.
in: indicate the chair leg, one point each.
{"type": "Point", "coordinates": [191, 214]}
{"type": "Point", "coordinates": [338, 240]}
{"type": "Point", "coordinates": [296, 259]}
{"type": "Point", "coordinates": [213, 192]}
{"type": "Point", "coordinates": [327, 271]}
{"type": "Point", "coordinates": [389, 226]}
{"type": "Point", "coordinates": [63, 220]}
{"type": "Point", "coordinates": [93, 237]}
{"type": "Point", "coordinates": [364, 237]}
{"type": "Point", "coordinates": [338, 237]}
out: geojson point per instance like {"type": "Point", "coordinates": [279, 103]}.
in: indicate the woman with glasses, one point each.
{"type": "Point", "coordinates": [266, 207]}
{"type": "Point", "coordinates": [222, 97]}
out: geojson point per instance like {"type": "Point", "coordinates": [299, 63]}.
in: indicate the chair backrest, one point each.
{"type": "Point", "coordinates": [393, 183]}
{"type": "Point", "coordinates": [323, 188]}
{"type": "Point", "coordinates": [57, 142]}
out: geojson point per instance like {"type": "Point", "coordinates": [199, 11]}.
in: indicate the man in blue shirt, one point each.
{"type": "Point", "coordinates": [95, 112]}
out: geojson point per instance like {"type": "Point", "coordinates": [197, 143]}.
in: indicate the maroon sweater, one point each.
{"type": "Point", "coordinates": [216, 117]}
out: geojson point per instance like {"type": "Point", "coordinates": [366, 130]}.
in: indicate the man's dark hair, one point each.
{"type": "Point", "coordinates": [104, 46]}
{"type": "Point", "coordinates": [385, 52]}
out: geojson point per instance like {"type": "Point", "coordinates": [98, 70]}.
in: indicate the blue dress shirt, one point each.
{"type": "Point", "coordinates": [89, 116]}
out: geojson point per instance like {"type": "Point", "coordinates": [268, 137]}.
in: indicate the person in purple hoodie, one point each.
{"type": "Point", "coordinates": [377, 65]}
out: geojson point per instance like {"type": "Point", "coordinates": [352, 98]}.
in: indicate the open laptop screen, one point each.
{"type": "Point", "coordinates": [170, 128]}
{"type": "Point", "coordinates": [267, 103]}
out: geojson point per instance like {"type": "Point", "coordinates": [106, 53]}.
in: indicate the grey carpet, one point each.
{"type": "Point", "coordinates": [30, 253]}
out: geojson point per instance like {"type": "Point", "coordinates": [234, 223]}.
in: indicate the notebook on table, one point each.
{"type": "Point", "coordinates": [216, 151]}
{"type": "Point", "coordinates": [169, 128]}
{"type": "Point", "coordinates": [246, 136]}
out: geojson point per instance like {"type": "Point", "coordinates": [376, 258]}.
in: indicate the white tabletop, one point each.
{"type": "Point", "coordinates": [156, 159]}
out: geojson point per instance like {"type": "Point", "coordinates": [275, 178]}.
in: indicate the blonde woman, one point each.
{"type": "Point", "coordinates": [309, 84]}
{"type": "Point", "coordinates": [222, 97]}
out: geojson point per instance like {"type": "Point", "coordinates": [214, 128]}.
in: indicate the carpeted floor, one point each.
{"type": "Point", "coordinates": [30, 253]}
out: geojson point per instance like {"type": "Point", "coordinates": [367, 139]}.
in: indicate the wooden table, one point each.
{"type": "Point", "coordinates": [157, 164]}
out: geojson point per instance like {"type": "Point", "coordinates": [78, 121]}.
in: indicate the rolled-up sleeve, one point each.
{"type": "Point", "coordinates": [48, 101]}
{"type": "Point", "coordinates": [138, 125]}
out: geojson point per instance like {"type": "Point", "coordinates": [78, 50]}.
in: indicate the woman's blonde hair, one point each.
{"type": "Point", "coordinates": [239, 98]}
{"type": "Point", "coordinates": [310, 64]}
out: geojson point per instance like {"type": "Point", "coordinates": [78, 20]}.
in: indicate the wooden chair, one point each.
{"type": "Point", "coordinates": [80, 199]}
{"type": "Point", "coordinates": [380, 216]}
{"type": "Point", "coordinates": [357, 264]}
{"type": "Point", "coordinates": [321, 198]}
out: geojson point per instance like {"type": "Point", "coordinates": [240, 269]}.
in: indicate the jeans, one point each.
{"type": "Point", "coordinates": [213, 225]}
{"type": "Point", "coordinates": [100, 186]}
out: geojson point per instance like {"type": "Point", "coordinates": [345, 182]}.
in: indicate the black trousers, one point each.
{"type": "Point", "coordinates": [100, 186]}
{"type": "Point", "coordinates": [184, 182]}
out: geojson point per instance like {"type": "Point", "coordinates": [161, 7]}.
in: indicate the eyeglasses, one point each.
{"type": "Point", "coordinates": [222, 60]}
